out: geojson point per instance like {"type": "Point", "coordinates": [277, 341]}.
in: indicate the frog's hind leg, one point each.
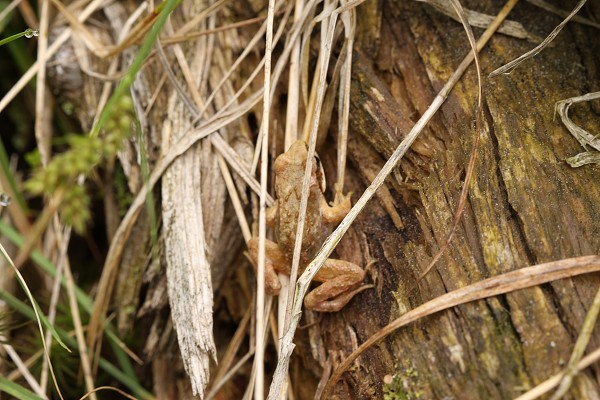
{"type": "Point", "coordinates": [341, 281]}
{"type": "Point", "coordinates": [275, 262]}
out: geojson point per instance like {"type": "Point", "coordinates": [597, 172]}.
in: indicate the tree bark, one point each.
{"type": "Point", "coordinates": [525, 206]}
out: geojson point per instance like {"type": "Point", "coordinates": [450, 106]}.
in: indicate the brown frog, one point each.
{"type": "Point", "coordinates": [341, 280]}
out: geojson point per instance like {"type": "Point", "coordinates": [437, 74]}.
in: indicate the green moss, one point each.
{"type": "Point", "coordinates": [403, 385]}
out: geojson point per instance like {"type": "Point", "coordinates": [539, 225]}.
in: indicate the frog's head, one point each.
{"type": "Point", "coordinates": [289, 167]}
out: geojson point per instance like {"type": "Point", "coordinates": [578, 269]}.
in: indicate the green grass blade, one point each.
{"type": "Point", "coordinates": [15, 390]}
{"type": "Point", "coordinates": [128, 380]}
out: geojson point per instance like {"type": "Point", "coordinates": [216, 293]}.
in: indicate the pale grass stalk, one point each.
{"type": "Point", "coordinates": [509, 67]}
{"type": "Point", "coordinates": [62, 38]}
{"type": "Point", "coordinates": [22, 368]}
{"type": "Point", "coordinates": [293, 100]}
{"type": "Point", "coordinates": [43, 126]}
{"type": "Point", "coordinates": [234, 99]}
{"type": "Point", "coordinates": [235, 198]}
{"type": "Point", "coordinates": [74, 308]}
{"type": "Point", "coordinates": [262, 214]}
{"type": "Point", "coordinates": [311, 127]}
{"type": "Point", "coordinates": [88, 39]}
{"type": "Point", "coordinates": [230, 373]}
{"type": "Point", "coordinates": [195, 21]}
{"type": "Point", "coordinates": [280, 380]}
{"type": "Point", "coordinates": [16, 373]}
{"type": "Point", "coordinates": [155, 94]}
{"type": "Point", "coordinates": [205, 32]}
{"type": "Point", "coordinates": [290, 136]}
{"type": "Point", "coordinates": [233, 346]}
{"type": "Point", "coordinates": [37, 316]}
{"type": "Point", "coordinates": [28, 13]}
{"type": "Point", "coordinates": [4, 13]}
{"type": "Point", "coordinates": [112, 68]}
{"type": "Point", "coordinates": [348, 18]}
{"type": "Point", "coordinates": [250, 47]}
{"type": "Point", "coordinates": [238, 165]}
{"type": "Point", "coordinates": [248, 394]}
{"type": "Point", "coordinates": [282, 62]}
{"type": "Point", "coordinates": [552, 382]}
{"type": "Point", "coordinates": [52, 309]}
{"type": "Point", "coordinates": [580, 346]}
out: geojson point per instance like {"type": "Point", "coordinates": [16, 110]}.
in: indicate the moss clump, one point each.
{"type": "Point", "coordinates": [84, 154]}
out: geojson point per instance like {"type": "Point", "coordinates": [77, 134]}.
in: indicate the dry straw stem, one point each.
{"type": "Point", "coordinates": [86, 365]}
{"type": "Point", "coordinates": [479, 20]}
{"type": "Point", "coordinates": [501, 284]}
{"type": "Point", "coordinates": [37, 317]}
{"type": "Point", "coordinates": [43, 125]}
{"type": "Point", "coordinates": [562, 13]}
{"type": "Point", "coordinates": [552, 382]}
{"type": "Point", "coordinates": [579, 349]}
{"type": "Point", "coordinates": [6, 10]}
{"type": "Point", "coordinates": [584, 138]}
{"type": "Point", "coordinates": [64, 36]}
{"type": "Point", "coordinates": [22, 368]}
{"type": "Point", "coordinates": [507, 68]}
{"type": "Point", "coordinates": [331, 242]}
{"type": "Point", "coordinates": [262, 214]}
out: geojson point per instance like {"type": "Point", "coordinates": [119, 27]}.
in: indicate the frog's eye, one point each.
{"type": "Point", "coordinates": [320, 173]}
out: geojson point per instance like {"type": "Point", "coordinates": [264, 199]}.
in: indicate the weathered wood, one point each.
{"type": "Point", "coordinates": [526, 206]}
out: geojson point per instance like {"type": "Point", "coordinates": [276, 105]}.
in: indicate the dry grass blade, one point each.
{"type": "Point", "coordinates": [584, 138]}
{"type": "Point", "coordinates": [22, 368]}
{"type": "Point", "coordinates": [562, 13]}
{"type": "Point", "coordinates": [501, 284]}
{"type": "Point", "coordinates": [471, 166]}
{"type": "Point", "coordinates": [262, 215]}
{"type": "Point", "coordinates": [64, 36]}
{"type": "Point", "coordinates": [451, 82]}
{"type": "Point", "coordinates": [580, 346]}
{"type": "Point", "coordinates": [52, 309]}
{"type": "Point", "coordinates": [43, 125]}
{"type": "Point", "coordinates": [35, 307]}
{"type": "Point", "coordinates": [507, 68]}
{"type": "Point", "coordinates": [552, 382]}
{"type": "Point", "coordinates": [86, 365]}
{"type": "Point", "coordinates": [4, 13]}
{"type": "Point", "coordinates": [479, 20]}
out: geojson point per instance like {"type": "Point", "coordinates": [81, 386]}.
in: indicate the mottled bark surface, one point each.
{"type": "Point", "coordinates": [526, 206]}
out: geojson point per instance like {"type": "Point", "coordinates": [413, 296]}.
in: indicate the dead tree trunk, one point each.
{"type": "Point", "coordinates": [526, 206]}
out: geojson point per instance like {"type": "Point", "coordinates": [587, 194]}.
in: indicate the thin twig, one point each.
{"type": "Point", "coordinates": [470, 168]}
{"type": "Point", "coordinates": [508, 68]}
{"type": "Point", "coordinates": [579, 349]}
{"type": "Point", "coordinates": [262, 214]}
{"type": "Point", "coordinates": [552, 382]}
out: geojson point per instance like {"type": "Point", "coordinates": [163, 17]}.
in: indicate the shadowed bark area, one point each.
{"type": "Point", "coordinates": [526, 206]}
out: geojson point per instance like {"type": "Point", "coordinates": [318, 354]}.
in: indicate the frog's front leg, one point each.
{"type": "Point", "coordinates": [337, 211]}
{"type": "Point", "coordinates": [341, 281]}
{"type": "Point", "coordinates": [275, 261]}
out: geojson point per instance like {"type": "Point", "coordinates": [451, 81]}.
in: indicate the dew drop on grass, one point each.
{"type": "Point", "coordinates": [4, 199]}
{"type": "Point", "coordinates": [29, 33]}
